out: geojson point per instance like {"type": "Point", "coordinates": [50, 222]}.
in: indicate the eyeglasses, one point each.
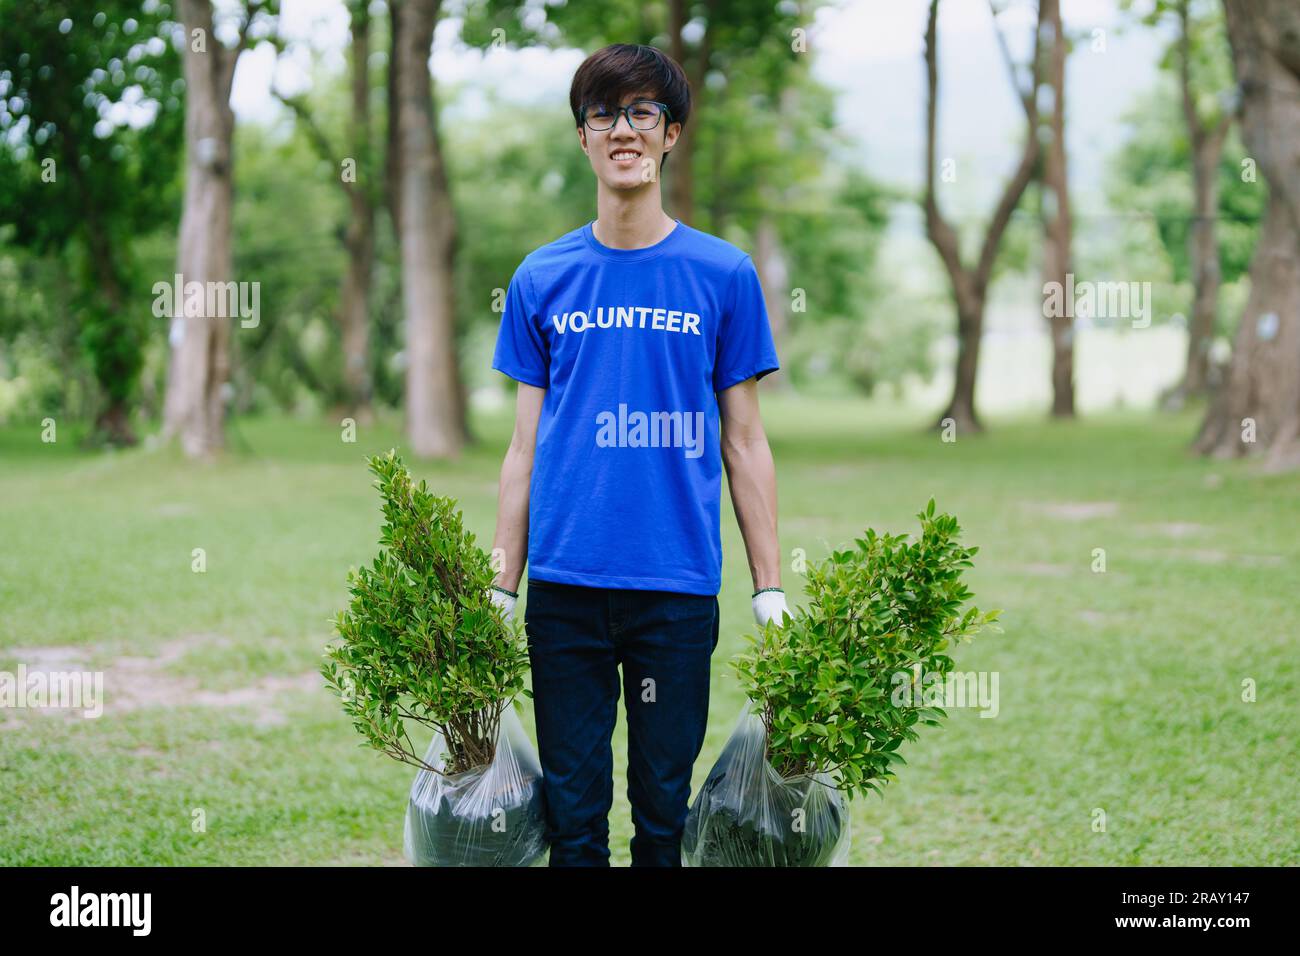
{"type": "Point", "coordinates": [642, 115]}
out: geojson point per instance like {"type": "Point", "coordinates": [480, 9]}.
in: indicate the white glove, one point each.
{"type": "Point", "coordinates": [770, 606]}
{"type": "Point", "coordinates": [504, 601]}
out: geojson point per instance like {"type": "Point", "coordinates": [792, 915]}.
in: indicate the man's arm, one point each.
{"type": "Point", "coordinates": [512, 496]}
{"type": "Point", "coordinates": [751, 474]}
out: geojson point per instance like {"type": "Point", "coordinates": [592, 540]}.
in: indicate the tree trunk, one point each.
{"type": "Point", "coordinates": [393, 140]}
{"type": "Point", "coordinates": [113, 417]}
{"type": "Point", "coordinates": [360, 238]}
{"type": "Point", "coordinates": [113, 422]}
{"type": "Point", "coordinates": [434, 396]}
{"type": "Point", "coordinates": [774, 278]}
{"type": "Point", "coordinates": [1204, 257]}
{"type": "Point", "coordinates": [717, 205]}
{"type": "Point", "coordinates": [1257, 410]}
{"type": "Point", "coordinates": [1258, 407]}
{"type": "Point", "coordinates": [970, 285]}
{"type": "Point", "coordinates": [199, 366]}
{"type": "Point", "coordinates": [681, 182]}
{"type": "Point", "coordinates": [1056, 186]}
{"type": "Point", "coordinates": [355, 308]}
{"type": "Point", "coordinates": [1203, 251]}
{"type": "Point", "coordinates": [961, 407]}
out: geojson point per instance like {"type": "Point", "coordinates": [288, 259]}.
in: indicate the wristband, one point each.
{"type": "Point", "coordinates": [761, 590]}
{"type": "Point", "coordinates": [504, 591]}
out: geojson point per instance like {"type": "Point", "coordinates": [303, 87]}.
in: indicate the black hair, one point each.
{"type": "Point", "coordinates": [620, 69]}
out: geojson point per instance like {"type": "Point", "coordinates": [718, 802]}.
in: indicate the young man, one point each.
{"type": "Point", "coordinates": [634, 340]}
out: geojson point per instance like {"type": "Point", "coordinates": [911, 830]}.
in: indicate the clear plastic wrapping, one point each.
{"type": "Point", "coordinates": [746, 814]}
{"type": "Point", "coordinates": [488, 816]}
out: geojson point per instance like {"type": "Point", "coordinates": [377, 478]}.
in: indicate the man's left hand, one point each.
{"type": "Point", "coordinates": [769, 606]}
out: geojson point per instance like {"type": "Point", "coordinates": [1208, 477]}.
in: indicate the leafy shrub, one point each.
{"type": "Point", "coordinates": [823, 681]}
{"type": "Point", "coordinates": [421, 638]}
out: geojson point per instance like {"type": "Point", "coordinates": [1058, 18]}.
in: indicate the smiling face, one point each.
{"type": "Point", "coordinates": [626, 158]}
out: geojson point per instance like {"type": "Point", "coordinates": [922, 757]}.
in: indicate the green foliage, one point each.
{"type": "Point", "coordinates": [893, 343]}
{"type": "Point", "coordinates": [41, 372]}
{"type": "Point", "coordinates": [290, 213]}
{"type": "Point", "coordinates": [824, 679]}
{"type": "Point", "coordinates": [98, 91]}
{"type": "Point", "coordinates": [510, 198]}
{"type": "Point", "coordinates": [91, 123]}
{"type": "Point", "coordinates": [1152, 173]}
{"type": "Point", "coordinates": [733, 25]}
{"type": "Point", "coordinates": [421, 637]}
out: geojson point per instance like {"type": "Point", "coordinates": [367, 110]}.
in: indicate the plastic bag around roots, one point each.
{"type": "Point", "coordinates": [488, 816]}
{"type": "Point", "coordinates": [746, 814]}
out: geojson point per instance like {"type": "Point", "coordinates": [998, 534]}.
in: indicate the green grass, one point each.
{"type": "Point", "coordinates": [1119, 691]}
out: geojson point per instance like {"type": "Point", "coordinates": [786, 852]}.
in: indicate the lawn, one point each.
{"type": "Point", "coordinates": [1120, 691]}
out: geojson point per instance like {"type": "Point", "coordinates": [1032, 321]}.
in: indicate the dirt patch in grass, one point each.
{"type": "Point", "coordinates": [1074, 510]}
{"type": "Point", "coordinates": [1175, 529]}
{"type": "Point", "coordinates": [1215, 556]}
{"type": "Point", "coordinates": [1043, 569]}
{"type": "Point", "coordinates": [71, 657]}
{"type": "Point", "coordinates": [133, 682]}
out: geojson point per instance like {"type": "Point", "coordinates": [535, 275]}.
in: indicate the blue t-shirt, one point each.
{"type": "Point", "coordinates": [631, 346]}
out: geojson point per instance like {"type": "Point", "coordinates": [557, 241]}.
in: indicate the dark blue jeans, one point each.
{"type": "Point", "coordinates": [577, 638]}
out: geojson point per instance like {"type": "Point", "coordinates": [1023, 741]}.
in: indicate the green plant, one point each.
{"type": "Point", "coordinates": [823, 680]}
{"type": "Point", "coordinates": [421, 637]}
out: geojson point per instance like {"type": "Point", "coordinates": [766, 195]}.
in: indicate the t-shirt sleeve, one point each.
{"type": "Point", "coordinates": [745, 348]}
{"type": "Point", "coordinates": [521, 351]}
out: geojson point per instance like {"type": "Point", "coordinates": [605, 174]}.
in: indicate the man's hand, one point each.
{"type": "Point", "coordinates": [505, 601]}
{"type": "Point", "coordinates": [770, 605]}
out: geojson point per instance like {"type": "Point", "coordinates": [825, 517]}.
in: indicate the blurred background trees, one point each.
{"type": "Point", "coordinates": [382, 233]}
{"type": "Point", "coordinates": [90, 148]}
